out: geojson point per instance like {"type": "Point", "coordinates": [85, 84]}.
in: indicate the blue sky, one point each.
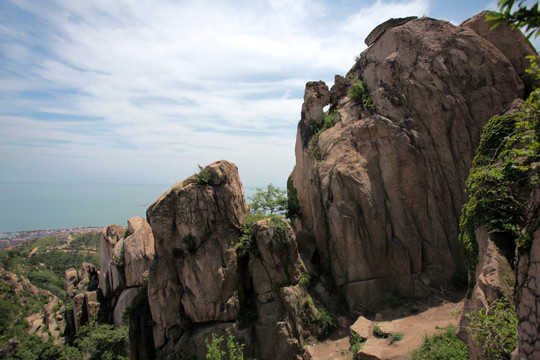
{"type": "Point", "coordinates": [140, 92]}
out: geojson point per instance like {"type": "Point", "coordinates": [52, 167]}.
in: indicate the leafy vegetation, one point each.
{"type": "Point", "coordinates": [356, 342]}
{"type": "Point", "coordinates": [360, 94]}
{"type": "Point", "coordinates": [522, 17]}
{"type": "Point", "coordinates": [495, 329]}
{"type": "Point", "coordinates": [316, 321]}
{"type": "Point", "coordinates": [272, 201]}
{"type": "Point", "coordinates": [216, 351]}
{"type": "Point", "coordinates": [504, 171]}
{"type": "Point", "coordinates": [443, 346]}
{"type": "Point", "coordinates": [293, 204]}
{"type": "Point", "coordinates": [246, 242]}
{"type": "Point", "coordinates": [317, 128]}
{"type": "Point", "coordinates": [204, 177]}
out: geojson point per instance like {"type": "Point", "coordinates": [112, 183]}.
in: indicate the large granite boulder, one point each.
{"type": "Point", "coordinates": [138, 251]}
{"type": "Point", "coordinates": [382, 195]}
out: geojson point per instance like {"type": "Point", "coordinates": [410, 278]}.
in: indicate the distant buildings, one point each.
{"type": "Point", "coordinates": [13, 238]}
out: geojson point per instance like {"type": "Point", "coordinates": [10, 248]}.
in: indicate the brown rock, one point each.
{"type": "Point", "coordinates": [511, 43]}
{"type": "Point", "coordinates": [124, 300]}
{"type": "Point", "coordinates": [494, 279]}
{"type": "Point", "coordinates": [111, 278]}
{"type": "Point", "coordinates": [199, 279]}
{"type": "Point", "coordinates": [138, 251]}
{"type": "Point", "coordinates": [363, 327]}
{"type": "Point", "coordinates": [379, 30]}
{"type": "Point", "coordinates": [527, 294]}
{"type": "Point", "coordinates": [385, 199]}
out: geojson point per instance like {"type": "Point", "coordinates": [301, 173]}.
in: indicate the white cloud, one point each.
{"type": "Point", "coordinates": [173, 83]}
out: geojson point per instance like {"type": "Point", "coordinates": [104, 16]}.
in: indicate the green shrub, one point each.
{"type": "Point", "coordinates": [495, 329]}
{"type": "Point", "coordinates": [443, 346]}
{"type": "Point", "coordinates": [190, 243]}
{"type": "Point", "coordinates": [272, 201]}
{"type": "Point", "coordinates": [317, 128]}
{"type": "Point", "coordinates": [204, 177]}
{"type": "Point", "coordinates": [293, 204]}
{"type": "Point", "coordinates": [305, 281]}
{"type": "Point", "coordinates": [356, 342]}
{"type": "Point", "coordinates": [378, 332]}
{"type": "Point", "coordinates": [246, 241]}
{"type": "Point", "coordinates": [360, 94]}
{"type": "Point", "coordinates": [395, 337]}
{"type": "Point", "coordinates": [316, 321]}
{"type": "Point", "coordinates": [215, 351]}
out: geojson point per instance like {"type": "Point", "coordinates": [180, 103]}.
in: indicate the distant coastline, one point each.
{"type": "Point", "coordinates": [16, 237]}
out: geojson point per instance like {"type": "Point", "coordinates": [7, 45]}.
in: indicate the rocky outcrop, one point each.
{"type": "Point", "coordinates": [527, 293]}
{"type": "Point", "coordinates": [206, 281]}
{"type": "Point", "coordinates": [81, 289]}
{"type": "Point", "coordinates": [125, 259]}
{"type": "Point", "coordinates": [382, 196]}
{"type": "Point", "coordinates": [494, 280]}
{"type": "Point", "coordinates": [511, 43]}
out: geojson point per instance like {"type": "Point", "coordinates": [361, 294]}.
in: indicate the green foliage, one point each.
{"type": "Point", "coordinates": [316, 321]}
{"type": "Point", "coordinates": [246, 242]}
{"type": "Point", "coordinates": [103, 341]}
{"type": "Point", "coordinates": [495, 329]}
{"type": "Point", "coordinates": [214, 349]}
{"type": "Point", "coordinates": [395, 337]}
{"type": "Point", "coordinates": [293, 204]}
{"type": "Point", "coordinates": [204, 177]}
{"type": "Point", "coordinates": [317, 128]}
{"type": "Point", "coordinates": [443, 346]}
{"type": "Point", "coordinates": [272, 201]}
{"type": "Point", "coordinates": [32, 348]}
{"type": "Point", "coordinates": [305, 281]}
{"type": "Point", "coordinates": [378, 332]}
{"type": "Point", "coordinates": [356, 342]}
{"type": "Point", "coordinates": [522, 17]}
{"type": "Point", "coordinates": [360, 94]}
{"type": "Point", "coordinates": [189, 242]}
{"type": "Point", "coordinates": [504, 171]}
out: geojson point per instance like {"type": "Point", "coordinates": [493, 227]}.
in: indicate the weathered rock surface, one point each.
{"type": "Point", "coordinates": [510, 42]}
{"type": "Point", "coordinates": [198, 283]}
{"type": "Point", "coordinates": [383, 201]}
{"type": "Point", "coordinates": [527, 294]}
{"type": "Point", "coordinates": [111, 278]}
{"type": "Point", "coordinates": [494, 280]}
{"type": "Point", "coordinates": [379, 30]}
{"type": "Point", "coordinates": [138, 251]}
{"type": "Point", "coordinates": [79, 280]}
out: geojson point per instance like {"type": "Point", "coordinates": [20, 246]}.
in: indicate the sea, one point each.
{"type": "Point", "coordinates": [38, 206]}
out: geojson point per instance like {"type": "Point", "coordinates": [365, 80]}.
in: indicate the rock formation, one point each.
{"type": "Point", "coordinates": [81, 291]}
{"type": "Point", "coordinates": [381, 191]}
{"type": "Point", "coordinates": [125, 259]}
{"type": "Point", "coordinates": [204, 281]}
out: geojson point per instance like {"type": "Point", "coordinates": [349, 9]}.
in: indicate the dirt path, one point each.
{"type": "Point", "coordinates": [437, 313]}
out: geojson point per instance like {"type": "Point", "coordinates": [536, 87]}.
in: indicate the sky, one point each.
{"type": "Point", "coordinates": [141, 92]}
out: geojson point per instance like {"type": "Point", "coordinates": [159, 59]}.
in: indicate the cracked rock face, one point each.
{"type": "Point", "coordinates": [383, 201]}
{"type": "Point", "coordinates": [196, 227]}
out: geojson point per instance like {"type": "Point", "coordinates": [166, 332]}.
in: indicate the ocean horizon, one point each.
{"type": "Point", "coordinates": [44, 206]}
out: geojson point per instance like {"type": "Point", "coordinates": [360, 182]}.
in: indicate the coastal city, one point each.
{"type": "Point", "coordinates": [17, 237]}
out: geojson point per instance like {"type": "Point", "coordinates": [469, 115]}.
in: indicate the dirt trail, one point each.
{"type": "Point", "coordinates": [427, 317]}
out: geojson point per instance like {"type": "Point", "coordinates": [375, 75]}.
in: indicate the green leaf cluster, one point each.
{"type": "Point", "coordinates": [522, 17]}
{"type": "Point", "coordinates": [233, 350]}
{"type": "Point", "coordinates": [495, 329]}
{"type": "Point", "coordinates": [316, 321]}
{"type": "Point", "coordinates": [443, 346]}
{"type": "Point", "coordinates": [501, 179]}
{"type": "Point", "coordinates": [204, 177]}
{"type": "Point", "coordinates": [360, 94]}
{"type": "Point", "coordinates": [273, 200]}
{"type": "Point", "coordinates": [189, 242]}
{"type": "Point", "coordinates": [317, 128]}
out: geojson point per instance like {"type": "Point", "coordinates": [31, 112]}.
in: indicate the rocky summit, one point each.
{"type": "Point", "coordinates": [381, 189]}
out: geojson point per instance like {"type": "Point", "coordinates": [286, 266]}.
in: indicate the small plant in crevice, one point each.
{"type": "Point", "coordinates": [395, 337]}
{"type": "Point", "coordinates": [356, 342]}
{"type": "Point", "coordinates": [360, 94]}
{"type": "Point", "coordinates": [204, 177]}
{"type": "Point", "coordinates": [305, 281]}
{"type": "Point", "coordinates": [378, 332]}
{"type": "Point", "coordinates": [317, 128]}
{"type": "Point", "coordinates": [190, 243]}
{"type": "Point", "coordinates": [317, 322]}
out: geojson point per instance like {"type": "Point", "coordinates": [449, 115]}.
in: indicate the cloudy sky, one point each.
{"type": "Point", "coordinates": [140, 92]}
